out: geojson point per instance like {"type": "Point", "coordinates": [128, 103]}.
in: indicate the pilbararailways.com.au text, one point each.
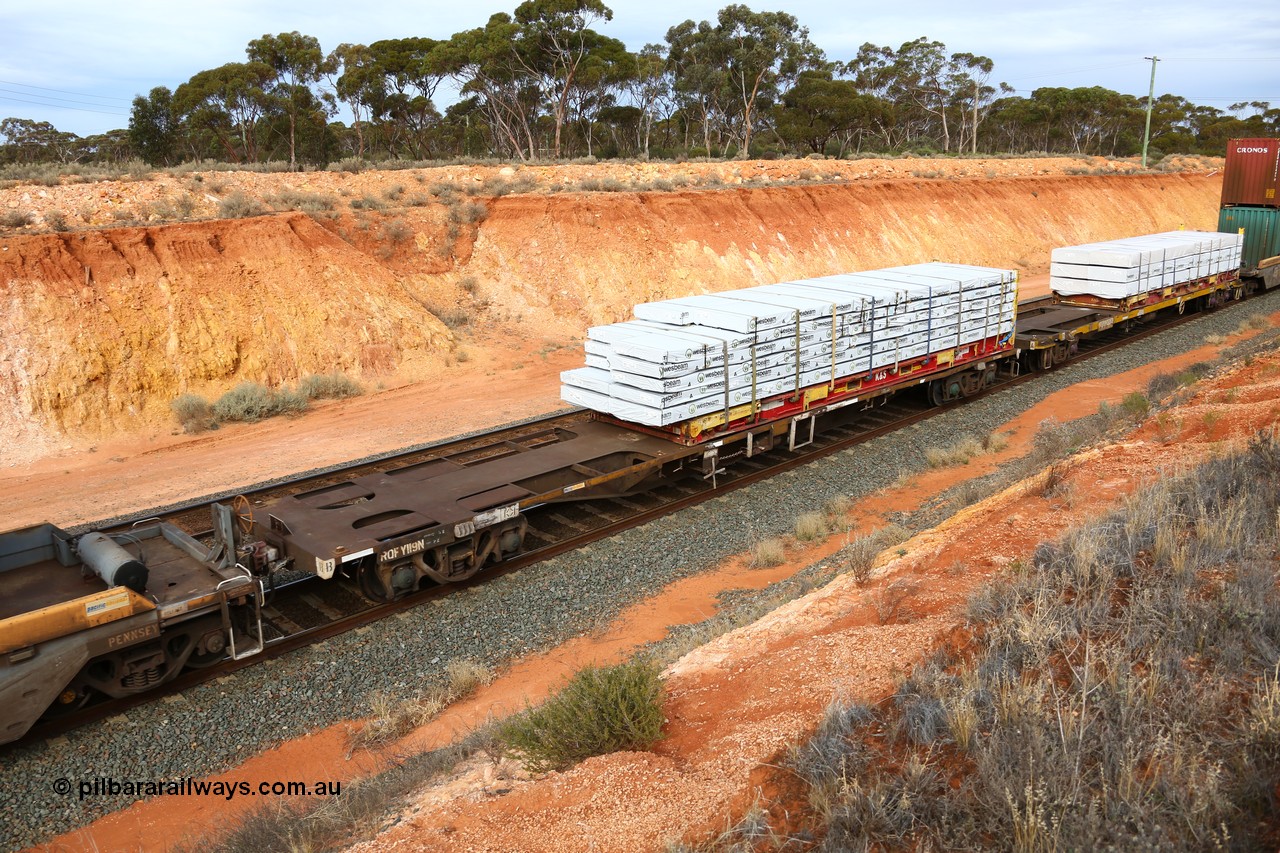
{"type": "Point", "coordinates": [110, 787]}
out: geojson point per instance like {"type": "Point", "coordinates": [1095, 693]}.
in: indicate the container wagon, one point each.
{"type": "Point", "coordinates": [1250, 207]}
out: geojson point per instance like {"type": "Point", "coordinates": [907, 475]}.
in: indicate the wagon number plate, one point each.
{"type": "Point", "coordinates": [488, 518]}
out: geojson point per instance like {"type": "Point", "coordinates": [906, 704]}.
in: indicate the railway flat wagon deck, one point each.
{"type": "Point", "coordinates": [763, 361]}
{"type": "Point", "coordinates": [1151, 272]}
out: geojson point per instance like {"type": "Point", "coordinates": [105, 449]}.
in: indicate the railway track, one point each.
{"type": "Point", "coordinates": [308, 610]}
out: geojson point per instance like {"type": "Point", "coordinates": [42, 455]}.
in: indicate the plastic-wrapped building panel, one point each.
{"type": "Point", "coordinates": [1122, 269]}
{"type": "Point", "coordinates": [684, 358]}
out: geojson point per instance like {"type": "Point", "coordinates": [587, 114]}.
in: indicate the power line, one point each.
{"type": "Point", "coordinates": [7, 99]}
{"type": "Point", "coordinates": [1194, 99]}
{"type": "Point", "coordinates": [1221, 59]}
{"type": "Point", "coordinates": [1072, 71]}
{"type": "Point", "coordinates": [1244, 100]}
{"type": "Point", "coordinates": [65, 92]}
{"type": "Point", "coordinates": [52, 98]}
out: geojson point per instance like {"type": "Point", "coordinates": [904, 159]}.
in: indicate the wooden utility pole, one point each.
{"type": "Point", "coordinates": [1151, 94]}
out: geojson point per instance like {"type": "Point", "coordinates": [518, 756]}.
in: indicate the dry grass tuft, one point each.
{"type": "Point", "coordinates": [769, 553]}
{"type": "Point", "coordinates": [811, 526]}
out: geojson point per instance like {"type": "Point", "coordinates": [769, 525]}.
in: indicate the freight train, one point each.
{"type": "Point", "coordinates": [88, 616]}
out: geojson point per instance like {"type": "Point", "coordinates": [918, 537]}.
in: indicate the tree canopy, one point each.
{"type": "Point", "coordinates": [543, 82]}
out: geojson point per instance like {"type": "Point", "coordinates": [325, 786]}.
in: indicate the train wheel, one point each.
{"type": "Point", "coordinates": [943, 391]}
{"type": "Point", "coordinates": [371, 585]}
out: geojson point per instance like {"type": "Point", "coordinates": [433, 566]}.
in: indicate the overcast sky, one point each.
{"type": "Point", "coordinates": [79, 64]}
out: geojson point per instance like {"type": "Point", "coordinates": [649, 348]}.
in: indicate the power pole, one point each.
{"type": "Point", "coordinates": [1151, 94]}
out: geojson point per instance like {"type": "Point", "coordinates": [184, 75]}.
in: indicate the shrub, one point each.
{"type": "Point", "coordinates": [15, 219]}
{"type": "Point", "coordinates": [810, 526]}
{"type": "Point", "coordinates": [352, 165]}
{"type": "Point", "coordinates": [252, 401]}
{"type": "Point", "coordinates": [288, 199]}
{"type": "Point", "coordinates": [446, 191]}
{"type": "Point", "coordinates": [600, 710]}
{"type": "Point", "coordinates": [1136, 405]}
{"type": "Point", "coordinates": [56, 220]}
{"type": "Point", "coordinates": [860, 557]}
{"type": "Point", "coordinates": [1254, 322]}
{"type": "Point", "coordinates": [194, 413]}
{"type": "Point", "coordinates": [956, 454]}
{"type": "Point", "coordinates": [368, 202]}
{"type": "Point", "coordinates": [239, 206]}
{"type": "Point", "coordinates": [329, 386]}
{"type": "Point", "coordinates": [767, 554]}
{"type": "Point", "coordinates": [1160, 385]}
{"type": "Point", "coordinates": [995, 442]}
{"type": "Point", "coordinates": [454, 318]}
{"type": "Point", "coordinates": [1118, 693]}
{"type": "Point", "coordinates": [397, 231]}
{"type": "Point", "coordinates": [468, 212]}
{"type": "Point", "coordinates": [392, 718]}
{"type": "Point", "coordinates": [837, 508]}
{"type": "Point", "coordinates": [465, 677]}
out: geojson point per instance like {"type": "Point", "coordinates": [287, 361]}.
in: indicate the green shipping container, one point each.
{"type": "Point", "coordinates": [1261, 232]}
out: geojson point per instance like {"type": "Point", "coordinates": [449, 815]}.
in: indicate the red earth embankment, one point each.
{"type": "Point", "coordinates": [102, 329]}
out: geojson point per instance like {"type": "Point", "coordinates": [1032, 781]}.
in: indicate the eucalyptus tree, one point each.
{"type": "Point", "coordinates": [223, 105]}
{"type": "Point", "coordinates": [296, 62]}
{"type": "Point", "coordinates": [911, 80]}
{"type": "Point", "coordinates": [741, 64]}
{"type": "Point", "coordinates": [648, 84]}
{"type": "Point", "coordinates": [411, 71]}
{"type": "Point", "coordinates": [763, 53]}
{"type": "Point", "coordinates": [820, 108]}
{"type": "Point", "coordinates": [489, 62]}
{"type": "Point", "coordinates": [699, 78]}
{"type": "Point", "coordinates": [29, 141]}
{"type": "Point", "coordinates": [153, 126]}
{"type": "Point", "coordinates": [597, 83]}
{"type": "Point", "coordinates": [555, 38]}
{"type": "Point", "coordinates": [930, 92]}
{"type": "Point", "coordinates": [968, 80]}
{"type": "Point", "coordinates": [1085, 119]}
{"type": "Point", "coordinates": [360, 86]}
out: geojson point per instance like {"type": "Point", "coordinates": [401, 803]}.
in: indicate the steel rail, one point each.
{"type": "Point", "coordinates": [785, 461]}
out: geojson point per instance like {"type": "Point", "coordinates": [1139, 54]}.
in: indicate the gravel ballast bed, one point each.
{"type": "Point", "coordinates": [217, 725]}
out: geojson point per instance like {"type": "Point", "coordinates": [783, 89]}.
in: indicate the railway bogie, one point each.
{"type": "Point", "coordinates": [71, 632]}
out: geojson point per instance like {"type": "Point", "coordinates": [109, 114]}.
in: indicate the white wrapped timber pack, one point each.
{"type": "Point", "coordinates": [1122, 269]}
{"type": "Point", "coordinates": [692, 356]}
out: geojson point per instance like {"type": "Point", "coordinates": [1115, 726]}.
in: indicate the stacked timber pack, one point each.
{"type": "Point", "coordinates": [1121, 269]}
{"type": "Point", "coordinates": [684, 358]}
